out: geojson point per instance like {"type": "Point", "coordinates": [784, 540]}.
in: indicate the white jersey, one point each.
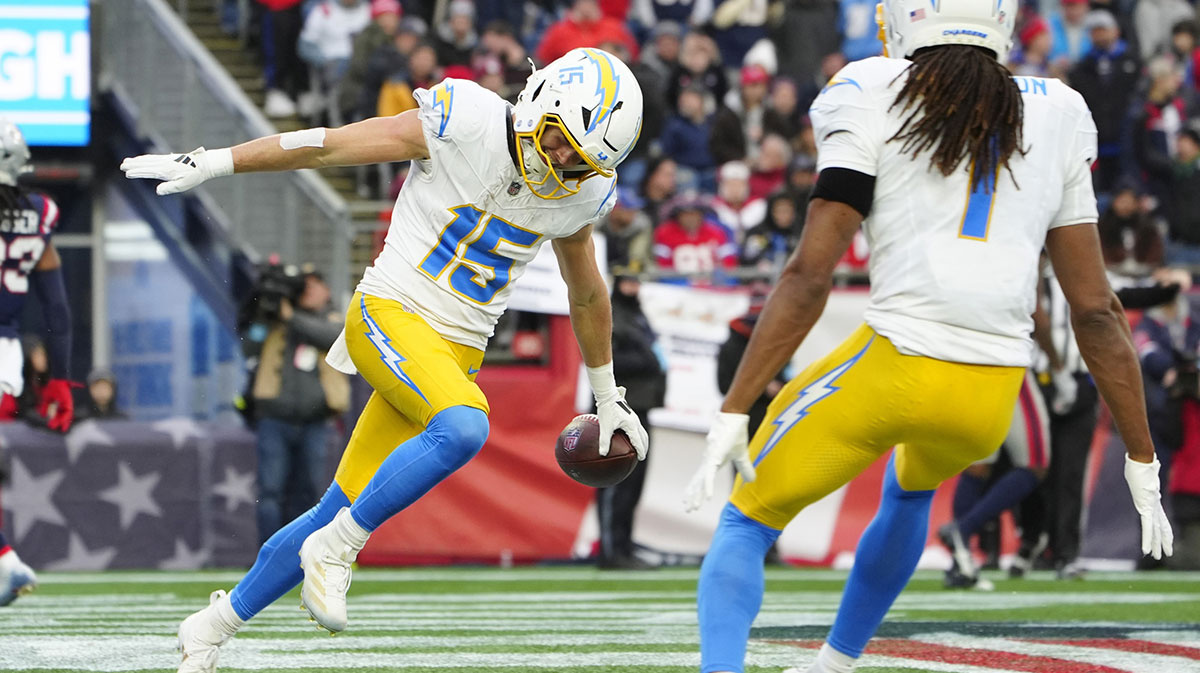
{"type": "Point", "coordinates": [465, 224]}
{"type": "Point", "coordinates": [954, 272]}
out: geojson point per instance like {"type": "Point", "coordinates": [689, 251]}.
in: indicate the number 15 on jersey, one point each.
{"type": "Point", "coordinates": [468, 247]}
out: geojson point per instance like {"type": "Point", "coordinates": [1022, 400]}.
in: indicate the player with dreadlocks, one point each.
{"type": "Point", "coordinates": [959, 174]}
{"type": "Point", "coordinates": [28, 261]}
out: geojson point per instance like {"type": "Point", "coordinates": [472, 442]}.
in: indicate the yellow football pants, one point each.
{"type": "Point", "coordinates": [415, 373]}
{"type": "Point", "coordinates": [846, 410]}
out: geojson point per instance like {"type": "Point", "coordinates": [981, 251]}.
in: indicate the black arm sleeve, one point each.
{"type": "Point", "coordinates": [1147, 297]}
{"type": "Point", "coordinates": [847, 186]}
{"type": "Point", "coordinates": [52, 295]}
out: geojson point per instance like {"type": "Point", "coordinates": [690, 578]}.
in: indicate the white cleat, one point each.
{"type": "Point", "coordinates": [326, 561]}
{"type": "Point", "coordinates": [200, 638]}
{"type": "Point", "coordinates": [16, 578]}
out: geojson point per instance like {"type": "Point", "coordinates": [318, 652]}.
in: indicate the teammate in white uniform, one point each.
{"type": "Point", "coordinates": [962, 174]}
{"type": "Point", "coordinates": [489, 184]}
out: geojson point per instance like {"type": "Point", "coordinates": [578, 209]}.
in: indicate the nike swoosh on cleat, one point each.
{"type": "Point", "coordinates": [472, 370]}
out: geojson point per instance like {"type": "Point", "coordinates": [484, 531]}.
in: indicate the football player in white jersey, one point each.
{"type": "Point", "coordinates": [960, 174]}
{"type": "Point", "coordinates": [489, 184]}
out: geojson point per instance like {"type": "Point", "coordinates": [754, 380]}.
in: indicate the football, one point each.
{"type": "Point", "coordinates": [578, 453]}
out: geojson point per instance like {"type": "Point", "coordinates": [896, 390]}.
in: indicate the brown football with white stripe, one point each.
{"type": "Point", "coordinates": [578, 453]}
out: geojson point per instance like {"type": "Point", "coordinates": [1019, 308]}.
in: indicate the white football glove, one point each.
{"type": "Point", "coordinates": [726, 441]}
{"type": "Point", "coordinates": [1157, 539]}
{"type": "Point", "coordinates": [615, 413]}
{"type": "Point", "coordinates": [180, 172]}
{"type": "Point", "coordinates": [1066, 389]}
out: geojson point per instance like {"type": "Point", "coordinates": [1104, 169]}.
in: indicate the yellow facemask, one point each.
{"type": "Point", "coordinates": [559, 185]}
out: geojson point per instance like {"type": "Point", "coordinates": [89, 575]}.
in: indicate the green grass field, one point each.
{"type": "Point", "coordinates": [579, 620]}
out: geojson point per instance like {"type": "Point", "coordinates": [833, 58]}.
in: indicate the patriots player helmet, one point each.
{"type": "Point", "coordinates": [14, 153]}
{"type": "Point", "coordinates": [908, 25]}
{"type": "Point", "coordinates": [594, 99]}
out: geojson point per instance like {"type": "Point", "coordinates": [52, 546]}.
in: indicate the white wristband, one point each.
{"type": "Point", "coordinates": [220, 161]}
{"type": "Point", "coordinates": [604, 385]}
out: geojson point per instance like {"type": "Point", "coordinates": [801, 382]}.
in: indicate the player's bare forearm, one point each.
{"type": "Point", "coordinates": [1106, 344]}
{"type": "Point", "coordinates": [1102, 332]}
{"type": "Point", "coordinates": [796, 302]}
{"type": "Point", "coordinates": [374, 140]}
{"type": "Point", "coordinates": [587, 295]}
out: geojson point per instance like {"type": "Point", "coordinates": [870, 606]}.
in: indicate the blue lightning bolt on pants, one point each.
{"type": "Point", "coordinates": [824, 428]}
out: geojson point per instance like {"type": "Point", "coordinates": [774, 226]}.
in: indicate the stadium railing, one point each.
{"type": "Point", "coordinates": [182, 98]}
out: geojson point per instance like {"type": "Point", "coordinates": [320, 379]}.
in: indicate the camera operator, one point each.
{"type": "Point", "coordinates": [288, 326]}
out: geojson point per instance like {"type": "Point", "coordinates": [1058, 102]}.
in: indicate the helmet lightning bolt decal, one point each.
{"type": "Point", "coordinates": [608, 86]}
{"type": "Point", "coordinates": [805, 399]}
{"type": "Point", "coordinates": [387, 352]}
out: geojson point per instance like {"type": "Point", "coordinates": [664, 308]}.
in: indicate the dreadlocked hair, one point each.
{"type": "Point", "coordinates": [10, 197]}
{"type": "Point", "coordinates": [984, 126]}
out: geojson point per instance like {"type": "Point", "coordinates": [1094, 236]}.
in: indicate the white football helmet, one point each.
{"type": "Point", "coordinates": [908, 25]}
{"type": "Point", "coordinates": [594, 99]}
{"type": "Point", "coordinates": [14, 153]}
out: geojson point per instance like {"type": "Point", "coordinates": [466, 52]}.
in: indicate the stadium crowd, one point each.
{"type": "Point", "coordinates": [715, 192]}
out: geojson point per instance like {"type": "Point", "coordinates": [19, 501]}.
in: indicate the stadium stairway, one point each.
{"type": "Point", "coordinates": [243, 64]}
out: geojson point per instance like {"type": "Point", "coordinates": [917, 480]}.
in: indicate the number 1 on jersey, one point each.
{"type": "Point", "coordinates": [977, 215]}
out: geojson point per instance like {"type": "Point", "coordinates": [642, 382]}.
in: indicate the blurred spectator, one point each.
{"type": "Point", "coordinates": [1033, 58]}
{"type": "Point", "coordinates": [285, 73]}
{"type": "Point", "coordinates": [500, 40]}
{"type": "Point", "coordinates": [1187, 54]}
{"type": "Point", "coordinates": [1129, 238]}
{"type": "Point", "coordinates": [738, 25]}
{"type": "Point", "coordinates": [36, 372]}
{"type": "Point", "coordinates": [295, 394]}
{"type": "Point", "coordinates": [685, 137]}
{"type": "Point", "coordinates": [1167, 341]}
{"type": "Point", "coordinates": [102, 396]}
{"type": "Point", "coordinates": [783, 115]}
{"type": "Point", "coordinates": [379, 34]}
{"type": "Point", "coordinates": [860, 32]}
{"type": "Point", "coordinates": [390, 62]}
{"type": "Point", "coordinates": [768, 245]}
{"type": "Point", "coordinates": [1156, 124]}
{"type": "Point", "coordinates": [811, 87]}
{"type": "Point", "coordinates": [456, 37]}
{"type": "Point", "coordinates": [638, 366]}
{"type": "Point", "coordinates": [730, 356]}
{"type": "Point", "coordinates": [742, 114]}
{"type": "Point", "coordinates": [1184, 210]}
{"type": "Point", "coordinates": [327, 43]}
{"type": "Point", "coordinates": [807, 33]}
{"type": "Point", "coordinates": [396, 94]}
{"type": "Point", "coordinates": [1154, 20]}
{"type": "Point", "coordinates": [583, 26]}
{"type": "Point", "coordinates": [690, 243]}
{"type": "Point", "coordinates": [628, 233]}
{"type": "Point", "coordinates": [1107, 78]}
{"type": "Point", "coordinates": [769, 170]}
{"type": "Point", "coordinates": [1072, 40]}
{"type": "Point", "coordinates": [700, 65]}
{"type": "Point", "coordinates": [654, 13]}
{"type": "Point", "coordinates": [658, 186]}
{"type": "Point", "coordinates": [801, 177]}
{"type": "Point", "coordinates": [734, 208]}
{"type": "Point", "coordinates": [663, 53]}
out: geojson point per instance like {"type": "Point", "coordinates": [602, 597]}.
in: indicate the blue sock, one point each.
{"type": "Point", "coordinates": [731, 589]}
{"type": "Point", "coordinates": [886, 557]}
{"type": "Point", "coordinates": [968, 492]}
{"type": "Point", "coordinates": [277, 569]}
{"type": "Point", "coordinates": [452, 438]}
{"type": "Point", "coordinates": [1006, 492]}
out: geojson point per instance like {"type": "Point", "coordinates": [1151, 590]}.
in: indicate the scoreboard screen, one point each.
{"type": "Point", "coordinates": [45, 69]}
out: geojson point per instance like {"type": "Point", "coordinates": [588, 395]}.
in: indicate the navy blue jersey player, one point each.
{"type": "Point", "coordinates": [30, 264]}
